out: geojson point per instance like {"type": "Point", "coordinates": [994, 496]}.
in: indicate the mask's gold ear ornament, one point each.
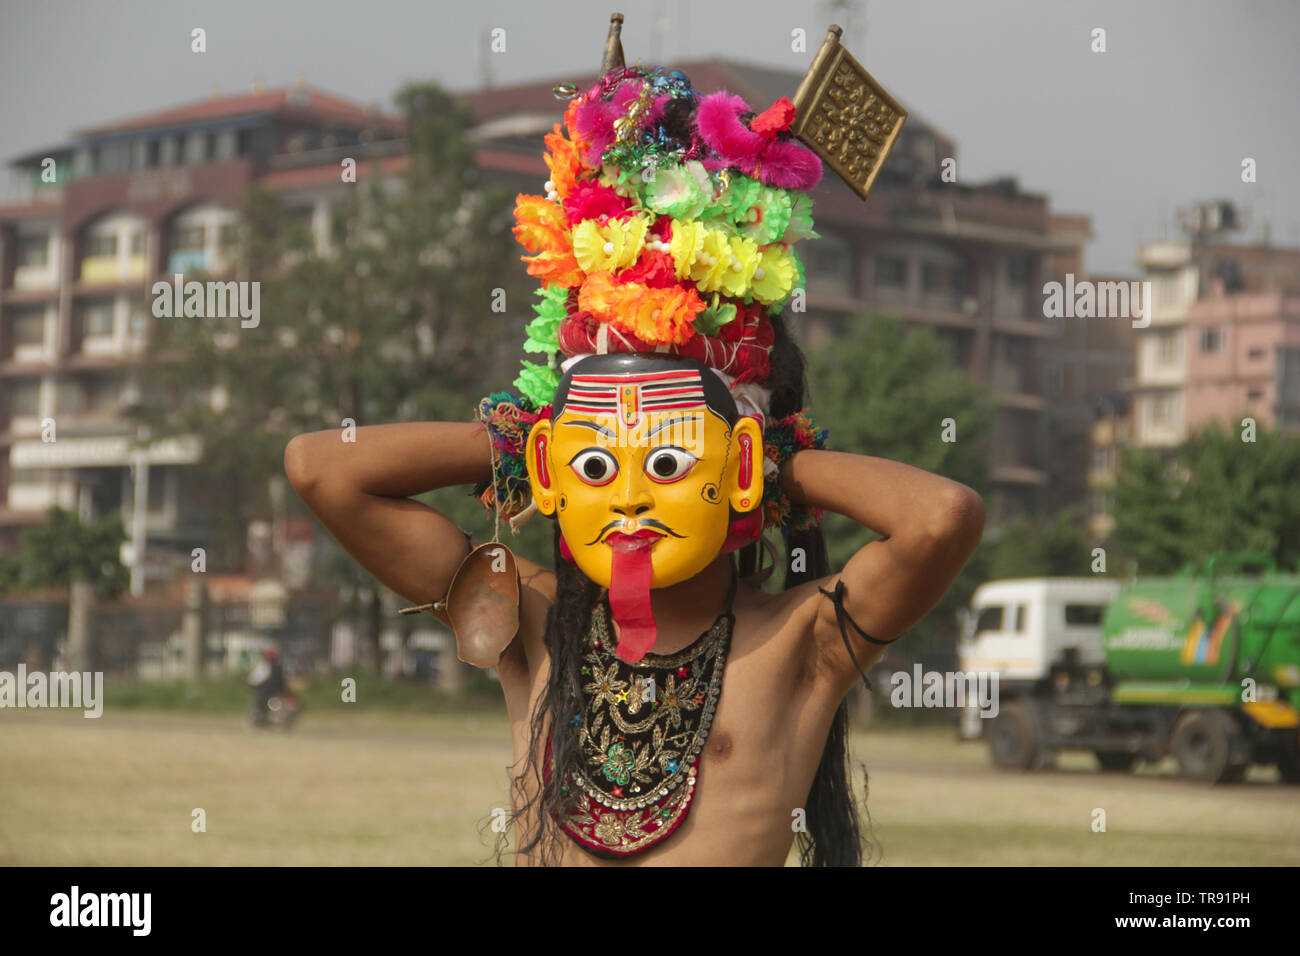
{"type": "Point", "coordinates": [482, 604]}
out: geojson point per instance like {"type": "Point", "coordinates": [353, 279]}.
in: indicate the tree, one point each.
{"type": "Point", "coordinates": [1054, 545]}
{"type": "Point", "coordinates": [65, 549]}
{"type": "Point", "coordinates": [395, 321]}
{"type": "Point", "coordinates": [888, 389]}
{"type": "Point", "coordinates": [1214, 492]}
{"type": "Point", "coordinates": [66, 552]}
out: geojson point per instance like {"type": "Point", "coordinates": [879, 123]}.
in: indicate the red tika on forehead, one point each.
{"type": "Point", "coordinates": [631, 395]}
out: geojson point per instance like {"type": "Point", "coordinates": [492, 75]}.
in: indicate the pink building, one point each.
{"type": "Point", "coordinates": [1243, 359]}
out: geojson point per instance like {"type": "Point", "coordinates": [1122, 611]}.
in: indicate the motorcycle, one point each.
{"type": "Point", "coordinates": [279, 712]}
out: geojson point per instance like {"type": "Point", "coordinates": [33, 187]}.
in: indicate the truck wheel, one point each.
{"type": "Point", "coordinates": [1112, 761]}
{"type": "Point", "coordinates": [1288, 764]}
{"type": "Point", "coordinates": [1202, 742]}
{"type": "Point", "coordinates": [1013, 738]}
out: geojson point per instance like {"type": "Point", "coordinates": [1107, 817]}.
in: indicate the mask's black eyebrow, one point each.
{"type": "Point", "coordinates": [672, 421]}
{"type": "Point", "coordinates": [594, 427]}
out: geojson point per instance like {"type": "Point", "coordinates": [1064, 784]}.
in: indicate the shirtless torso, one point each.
{"type": "Point", "coordinates": [767, 737]}
{"type": "Point", "coordinates": [788, 668]}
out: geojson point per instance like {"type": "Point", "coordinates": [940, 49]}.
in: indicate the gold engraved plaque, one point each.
{"type": "Point", "coordinates": [846, 117]}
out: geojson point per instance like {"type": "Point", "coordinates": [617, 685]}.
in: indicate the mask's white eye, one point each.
{"type": "Point", "coordinates": [594, 466]}
{"type": "Point", "coordinates": [669, 463]}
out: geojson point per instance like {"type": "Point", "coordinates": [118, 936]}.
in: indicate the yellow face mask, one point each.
{"type": "Point", "coordinates": [642, 469]}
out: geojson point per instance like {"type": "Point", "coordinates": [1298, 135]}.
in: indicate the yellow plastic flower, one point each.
{"type": "Point", "coordinates": [774, 277]}
{"type": "Point", "coordinates": [686, 244]}
{"type": "Point", "coordinates": [713, 261]}
{"type": "Point", "coordinates": [610, 247]}
{"type": "Point", "coordinates": [740, 269]}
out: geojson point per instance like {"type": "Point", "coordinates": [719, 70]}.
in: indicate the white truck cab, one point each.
{"type": "Point", "coordinates": [1018, 628]}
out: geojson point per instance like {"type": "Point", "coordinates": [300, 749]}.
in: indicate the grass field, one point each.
{"type": "Point", "coordinates": [389, 789]}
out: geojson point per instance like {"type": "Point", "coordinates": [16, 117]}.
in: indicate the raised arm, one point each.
{"type": "Point", "coordinates": [930, 527]}
{"type": "Point", "coordinates": [362, 491]}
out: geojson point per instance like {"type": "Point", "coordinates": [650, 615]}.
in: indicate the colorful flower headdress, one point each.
{"type": "Point", "coordinates": [669, 224]}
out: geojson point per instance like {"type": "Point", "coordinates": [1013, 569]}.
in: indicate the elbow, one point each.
{"type": "Point", "coordinates": [957, 520]}
{"type": "Point", "coordinates": [298, 465]}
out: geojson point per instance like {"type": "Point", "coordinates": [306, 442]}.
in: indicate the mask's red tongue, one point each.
{"type": "Point", "coordinates": [629, 600]}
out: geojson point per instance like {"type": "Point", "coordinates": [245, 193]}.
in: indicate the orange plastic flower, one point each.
{"type": "Point", "coordinates": [541, 225]}
{"type": "Point", "coordinates": [563, 162]}
{"type": "Point", "coordinates": [571, 123]}
{"type": "Point", "coordinates": [555, 268]}
{"type": "Point", "coordinates": [661, 316]}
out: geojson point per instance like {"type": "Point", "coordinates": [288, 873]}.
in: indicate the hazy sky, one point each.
{"type": "Point", "coordinates": [1185, 91]}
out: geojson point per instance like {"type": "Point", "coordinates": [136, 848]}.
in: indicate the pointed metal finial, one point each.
{"type": "Point", "coordinates": [613, 58]}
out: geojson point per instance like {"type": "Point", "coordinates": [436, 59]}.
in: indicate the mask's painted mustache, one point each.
{"type": "Point", "coordinates": [617, 523]}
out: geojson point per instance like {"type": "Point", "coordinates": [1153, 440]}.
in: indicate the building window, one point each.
{"type": "Point", "coordinates": [228, 236]}
{"type": "Point", "coordinates": [1255, 354]}
{"type": "Point", "coordinates": [114, 158]}
{"type": "Point", "coordinates": [102, 392]}
{"type": "Point", "coordinates": [29, 326]}
{"type": "Point", "coordinates": [1165, 286]}
{"type": "Point", "coordinates": [1164, 409]}
{"type": "Point", "coordinates": [33, 250]}
{"type": "Point", "coordinates": [196, 147]}
{"type": "Point", "coordinates": [159, 478]}
{"type": "Point", "coordinates": [1017, 271]}
{"type": "Point", "coordinates": [941, 277]}
{"type": "Point", "coordinates": [1054, 379]}
{"type": "Point", "coordinates": [226, 143]}
{"type": "Point", "coordinates": [97, 318]}
{"type": "Point", "coordinates": [1254, 395]}
{"type": "Point", "coordinates": [67, 396]}
{"type": "Point", "coordinates": [891, 272]}
{"type": "Point", "coordinates": [139, 243]}
{"type": "Point", "coordinates": [1288, 376]}
{"type": "Point", "coordinates": [189, 238]}
{"type": "Point", "coordinates": [103, 245]}
{"type": "Point", "coordinates": [168, 151]}
{"type": "Point", "coordinates": [829, 266]}
{"type": "Point", "coordinates": [24, 397]}
{"type": "Point", "coordinates": [1169, 347]}
{"type": "Point", "coordinates": [1210, 340]}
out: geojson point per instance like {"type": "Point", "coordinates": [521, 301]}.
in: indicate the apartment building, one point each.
{"type": "Point", "coordinates": [1182, 273]}
{"type": "Point", "coordinates": [100, 219]}
{"type": "Point", "coordinates": [1243, 360]}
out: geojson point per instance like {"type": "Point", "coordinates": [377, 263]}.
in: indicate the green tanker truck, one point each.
{"type": "Point", "coordinates": [1203, 666]}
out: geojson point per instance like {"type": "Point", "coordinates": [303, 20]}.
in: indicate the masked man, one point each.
{"type": "Point", "coordinates": [664, 708]}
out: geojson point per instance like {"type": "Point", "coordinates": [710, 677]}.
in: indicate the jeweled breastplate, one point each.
{"type": "Point", "coordinates": [641, 732]}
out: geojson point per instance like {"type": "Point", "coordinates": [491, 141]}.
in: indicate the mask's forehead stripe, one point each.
{"type": "Point", "coordinates": [680, 389]}
{"type": "Point", "coordinates": [685, 375]}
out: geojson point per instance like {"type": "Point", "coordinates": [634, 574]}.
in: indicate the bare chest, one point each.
{"type": "Point", "coordinates": [754, 769]}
